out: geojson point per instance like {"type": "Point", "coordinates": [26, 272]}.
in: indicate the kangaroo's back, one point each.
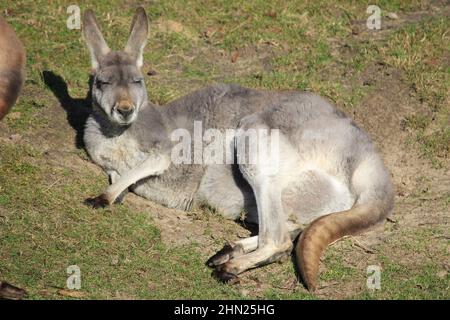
{"type": "Point", "coordinates": [12, 63]}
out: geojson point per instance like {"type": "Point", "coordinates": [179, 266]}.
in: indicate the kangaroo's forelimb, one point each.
{"type": "Point", "coordinates": [154, 165]}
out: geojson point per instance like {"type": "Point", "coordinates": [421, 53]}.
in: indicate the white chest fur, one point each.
{"type": "Point", "coordinates": [118, 153]}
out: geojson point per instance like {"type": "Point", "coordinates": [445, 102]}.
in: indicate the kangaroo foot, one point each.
{"type": "Point", "coordinates": [100, 201]}
{"type": "Point", "coordinates": [221, 274]}
{"type": "Point", "coordinates": [224, 255]}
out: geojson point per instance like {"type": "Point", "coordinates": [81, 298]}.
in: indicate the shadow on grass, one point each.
{"type": "Point", "coordinates": [77, 110]}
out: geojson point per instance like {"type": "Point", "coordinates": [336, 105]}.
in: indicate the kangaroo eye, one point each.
{"type": "Point", "coordinates": [137, 81]}
{"type": "Point", "coordinates": [103, 83]}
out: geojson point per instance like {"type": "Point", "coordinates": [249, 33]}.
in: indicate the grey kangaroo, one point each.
{"type": "Point", "coordinates": [330, 181]}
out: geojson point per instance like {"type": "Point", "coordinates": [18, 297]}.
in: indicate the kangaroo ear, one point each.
{"type": "Point", "coordinates": [138, 36]}
{"type": "Point", "coordinates": [94, 39]}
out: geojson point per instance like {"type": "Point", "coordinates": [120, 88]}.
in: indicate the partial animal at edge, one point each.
{"type": "Point", "coordinates": [12, 67]}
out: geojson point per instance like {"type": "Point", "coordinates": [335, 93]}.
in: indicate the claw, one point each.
{"type": "Point", "coordinates": [221, 275]}
{"type": "Point", "coordinates": [221, 257]}
{"type": "Point", "coordinates": [98, 202]}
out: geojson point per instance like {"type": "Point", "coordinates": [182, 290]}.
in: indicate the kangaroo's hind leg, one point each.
{"type": "Point", "coordinates": [266, 179]}
{"type": "Point", "coordinates": [244, 246]}
{"type": "Point", "coordinates": [273, 241]}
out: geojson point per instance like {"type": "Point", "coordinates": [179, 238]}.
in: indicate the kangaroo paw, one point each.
{"type": "Point", "coordinates": [223, 255]}
{"type": "Point", "coordinates": [222, 275]}
{"type": "Point", "coordinates": [98, 202]}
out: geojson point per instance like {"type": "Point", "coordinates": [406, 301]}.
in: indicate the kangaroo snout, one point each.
{"type": "Point", "coordinates": [125, 108]}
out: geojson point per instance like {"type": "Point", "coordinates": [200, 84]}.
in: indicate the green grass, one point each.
{"type": "Point", "coordinates": [421, 52]}
{"type": "Point", "coordinates": [44, 227]}
{"type": "Point", "coordinates": [419, 284]}
{"type": "Point", "coordinates": [119, 252]}
{"type": "Point", "coordinates": [418, 279]}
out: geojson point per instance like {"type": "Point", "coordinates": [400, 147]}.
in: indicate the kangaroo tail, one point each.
{"type": "Point", "coordinates": [374, 203]}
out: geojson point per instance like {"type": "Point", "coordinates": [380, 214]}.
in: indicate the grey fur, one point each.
{"type": "Point", "coordinates": [327, 164]}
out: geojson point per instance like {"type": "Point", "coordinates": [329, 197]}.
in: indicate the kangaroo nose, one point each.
{"type": "Point", "coordinates": [125, 112]}
{"type": "Point", "coordinates": [125, 108]}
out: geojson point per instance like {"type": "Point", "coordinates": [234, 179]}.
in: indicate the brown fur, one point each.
{"type": "Point", "coordinates": [10, 292]}
{"type": "Point", "coordinates": [12, 67]}
{"type": "Point", "coordinates": [327, 229]}
{"type": "Point", "coordinates": [124, 101]}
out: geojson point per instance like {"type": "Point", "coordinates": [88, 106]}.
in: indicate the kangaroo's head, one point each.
{"type": "Point", "coordinates": [118, 87]}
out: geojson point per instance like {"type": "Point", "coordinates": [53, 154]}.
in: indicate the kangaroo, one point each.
{"type": "Point", "coordinates": [12, 73]}
{"type": "Point", "coordinates": [12, 67]}
{"type": "Point", "coordinates": [329, 180]}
